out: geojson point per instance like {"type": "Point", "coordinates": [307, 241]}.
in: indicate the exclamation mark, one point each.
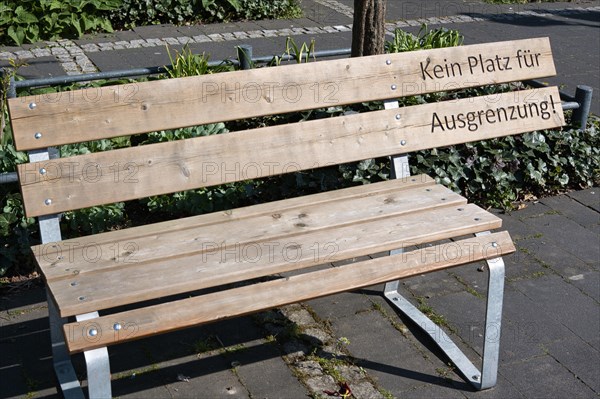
{"type": "Point", "coordinates": [552, 102]}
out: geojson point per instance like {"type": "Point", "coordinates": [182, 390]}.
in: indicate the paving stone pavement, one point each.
{"type": "Point", "coordinates": [550, 339]}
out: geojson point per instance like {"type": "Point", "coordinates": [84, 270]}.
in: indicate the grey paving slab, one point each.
{"type": "Point", "coordinates": [527, 327]}
{"type": "Point", "coordinates": [148, 57]}
{"type": "Point", "coordinates": [26, 357]}
{"type": "Point", "coordinates": [464, 314]}
{"type": "Point", "coordinates": [280, 382]}
{"type": "Point", "coordinates": [574, 210]}
{"type": "Point", "coordinates": [41, 67]}
{"type": "Point", "coordinates": [555, 258]}
{"type": "Point", "coordinates": [332, 42]}
{"type": "Point", "coordinates": [564, 234]}
{"type": "Point", "coordinates": [534, 244]}
{"type": "Point", "coordinates": [229, 27]}
{"type": "Point", "coordinates": [155, 31]}
{"type": "Point", "coordinates": [589, 197]}
{"type": "Point", "coordinates": [432, 284]}
{"type": "Point", "coordinates": [344, 305]}
{"type": "Point", "coordinates": [519, 265]}
{"type": "Point", "coordinates": [512, 223]}
{"type": "Point", "coordinates": [588, 283]}
{"type": "Point", "coordinates": [169, 365]}
{"type": "Point", "coordinates": [323, 15]}
{"type": "Point", "coordinates": [396, 363]}
{"type": "Point", "coordinates": [260, 47]}
{"type": "Point", "coordinates": [111, 61]}
{"type": "Point", "coordinates": [219, 384]}
{"type": "Point", "coordinates": [580, 359]}
{"type": "Point", "coordinates": [557, 300]}
{"type": "Point", "coordinates": [503, 390]}
{"type": "Point", "coordinates": [127, 35]}
{"type": "Point", "coordinates": [431, 391]}
{"type": "Point", "coordinates": [543, 377]}
{"type": "Point", "coordinates": [191, 30]}
{"type": "Point", "coordinates": [96, 38]}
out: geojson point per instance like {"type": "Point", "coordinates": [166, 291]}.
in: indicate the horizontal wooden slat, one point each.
{"type": "Point", "coordinates": [113, 111]}
{"type": "Point", "coordinates": [212, 307]}
{"type": "Point", "coordinates": [53, 254]}
{"type": "Point", "coordinates": [154, 243]}
{"type": "Point", "coordinates": [235, 261]}
{"type": "Point", "coordinates": [136, 172]}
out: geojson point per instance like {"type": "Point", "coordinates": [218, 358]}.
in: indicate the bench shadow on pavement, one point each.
{"type": "Point", "coordinates": [155, 362]}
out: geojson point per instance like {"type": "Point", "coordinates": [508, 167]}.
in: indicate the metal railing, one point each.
{"type": "Point", "coordinates": [580, 103]}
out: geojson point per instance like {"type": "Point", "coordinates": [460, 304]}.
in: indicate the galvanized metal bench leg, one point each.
{"type": "Point", "coordinates": [97, 363]}
{"type": "Point", "coordinates": [65, 373]}
{"type": "Point", "coordinates": [493, 319]}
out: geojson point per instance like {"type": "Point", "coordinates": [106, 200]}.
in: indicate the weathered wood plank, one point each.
{"type": "Point", "coordinates": [136, 172]}
{"type": "Point", "coordinates": [230, 261]}
{"type": "Point", "coordinates": [212, 307]}
{"type": "Point", "coordinates": [88, 254]}
{"type": "Point", "coordinates": [49, 254]}
{"type": "Point", "coordinates": [113, 111]}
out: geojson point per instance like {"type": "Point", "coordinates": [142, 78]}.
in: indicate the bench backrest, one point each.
{"type": "Point", "coordinates": [54, 186]}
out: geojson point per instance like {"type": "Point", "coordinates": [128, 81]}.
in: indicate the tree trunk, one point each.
{"type": "Point", "coordinates": [368, 30]}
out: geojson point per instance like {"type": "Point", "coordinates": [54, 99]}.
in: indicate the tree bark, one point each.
{"type": "Point", "coordinates": [368, 30]}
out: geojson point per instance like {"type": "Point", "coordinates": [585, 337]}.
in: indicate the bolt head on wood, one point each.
{"type": "Point", "coordinates": [32, 105]}
{"type": "Point", "coordinates": [37, 136]}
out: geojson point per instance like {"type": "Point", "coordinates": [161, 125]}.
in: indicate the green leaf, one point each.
{"type": "Point", "coordinates": [25, 17]}
{"type": "Point", "coordinates": [75, 23]}
{"type": "Point", "coordinates": [18, 34]}
{"type": "Point", "coordinates": [56, 5]}
{"type": "Point", "coordinates": [235, 4]}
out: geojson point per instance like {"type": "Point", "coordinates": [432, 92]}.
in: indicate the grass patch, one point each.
{"type": "Point", "coordinates": [531, 276]}
{"type": "Point", "coordinates": [400, 327]}
{"type": "Point", "coordinates": [134, 373]}
{"type": "Point", "coordinates": [233, 348]}
{"type": "Point", "coordinates": [331, 366]}
{"type": "Point", "coordinates": [386, 394]}
{"type": "Point", "coordinates": [467, 286]}
{"type": "Point", "coordinates": [445, 372]}
{"type": "Point", "coordinates": [32, 385]}
{"type": "Point", "coordinates": [428, 311]}
{"type": "Point", "coordinates": [206, 345]}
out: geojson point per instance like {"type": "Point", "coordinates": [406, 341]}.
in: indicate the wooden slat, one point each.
{"type": "Point", "coordinates": [136, 172]}
{"type": "Point", "coordinates": [238, 262]}
{"type": "Point", "coordinates": [113, 111]}
{"type": "Point", "coordinates": [212, 307]}
{"type": "Point", "coordinates": [67, 258]}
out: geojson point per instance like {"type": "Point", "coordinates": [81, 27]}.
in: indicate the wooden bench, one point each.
{"type": "Point", "coordinates": [88, 276]}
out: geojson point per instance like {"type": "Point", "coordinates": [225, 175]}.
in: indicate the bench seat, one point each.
{"type": "Point", "coordinates": [134, 265]}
